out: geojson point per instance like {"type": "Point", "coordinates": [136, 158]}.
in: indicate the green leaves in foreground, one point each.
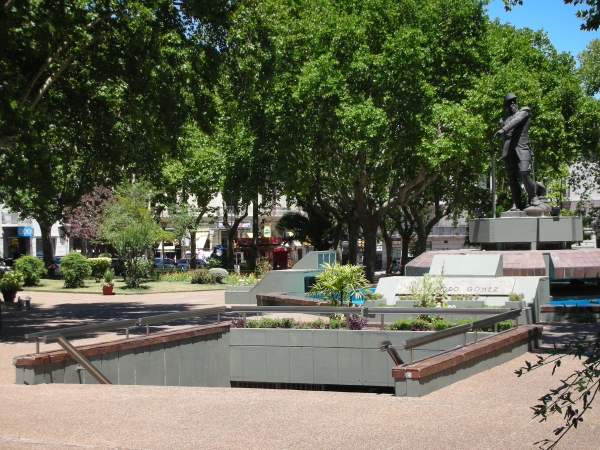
{"type": "Point", "coordinates": [576, 392]}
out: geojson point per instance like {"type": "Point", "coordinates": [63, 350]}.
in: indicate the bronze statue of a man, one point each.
{"type": "Point", "coordinates": [517, 152]}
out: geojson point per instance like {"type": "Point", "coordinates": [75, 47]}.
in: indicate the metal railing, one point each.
{"type": "Point", "coordinates": [410, 344]}
{"type": "Point", "coordinates": [460, 230]}
{"type": "Point", "coordinates": [60, 333]}
{"type": "Point", "coordinates": [348, 310]}
{"type": "Point", "coordinates": [370, 312]}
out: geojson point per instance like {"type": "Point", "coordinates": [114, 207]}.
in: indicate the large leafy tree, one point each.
{"type": "Point", "coordinates": [97, 92]}
{"type": "Point", "coordinates": [44, 40]}
{"type": "Point", "coordinates": [249, 136]}
{"type": "Point", "coordinates": [367, 97]}
{"type": "Point", "coordinates": [191, 182]}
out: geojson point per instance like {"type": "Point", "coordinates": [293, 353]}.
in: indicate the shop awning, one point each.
{"type": "Point", "coordinates": [201, 238]}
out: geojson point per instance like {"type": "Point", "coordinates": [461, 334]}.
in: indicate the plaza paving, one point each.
{"type": "Point", "coordinates": [488, 411]}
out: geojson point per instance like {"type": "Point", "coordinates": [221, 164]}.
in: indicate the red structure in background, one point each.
{"type": "Point", "coordinates": [271, 248]}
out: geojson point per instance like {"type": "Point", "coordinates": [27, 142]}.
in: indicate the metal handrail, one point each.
{"type": "Point", "coordinates": [128, 323]}
{"type": "Point", "coordinates": [442, 334]}
{"type": "Point", "coordinates": [512, 314]}
{"type": "Point", "coordinates": [299, 309]}
{"type": "Point", "coordinates": [461, 329]}
{"type": "Point", "coordinates": [475, 311]}
{"type": "Point", "coordinates": [81, 329]}
{"type": "Point", "coordinates": [180, 315]}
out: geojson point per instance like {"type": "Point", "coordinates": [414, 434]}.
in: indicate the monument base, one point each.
{"type": "Point", "coordinates": [526, 233]}
{"type": "Point", "coordinates": [512, 214]}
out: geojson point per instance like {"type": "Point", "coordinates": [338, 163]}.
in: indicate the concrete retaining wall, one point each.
{"type": "Point", "coordinates": [422, 378]}
{"type": "Point", "coordinates": [192, 357]}
{"type": "Point", "coordinates": [338, 357]}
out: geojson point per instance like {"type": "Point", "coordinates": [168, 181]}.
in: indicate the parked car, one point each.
{"type": "Point", "coordinates": [182, 264]}
{"type": "Point", "coordinates": [164, 263]}
{"type": "Point", "coordinates": [4, 268]}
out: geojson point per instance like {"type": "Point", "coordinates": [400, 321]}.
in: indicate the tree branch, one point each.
{"type": "Point", "coordinates": [56, 54]}
{"type": "Point", "coordinates": [54, 76]}
{"type": "Point", "coordinates": [8, 4]}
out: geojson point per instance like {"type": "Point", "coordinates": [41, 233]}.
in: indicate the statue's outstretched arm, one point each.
{"type": "Point", "coordinates": [515, 120]}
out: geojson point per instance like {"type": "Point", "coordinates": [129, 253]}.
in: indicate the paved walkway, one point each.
{"type": "Point", "coordinates": [488, 411]}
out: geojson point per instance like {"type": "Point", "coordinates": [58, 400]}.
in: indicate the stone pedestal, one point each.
{"type": "Point", "coordinates": [525, 233]}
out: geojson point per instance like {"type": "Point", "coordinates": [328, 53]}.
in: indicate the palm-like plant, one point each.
{"type": "Point", "coordinates": [339, 285]}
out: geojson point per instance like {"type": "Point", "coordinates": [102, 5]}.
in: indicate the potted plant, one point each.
{"type": "Point", "coordinates": [108, 282]}
{"type": "Point", "coordinates": [10, 283]}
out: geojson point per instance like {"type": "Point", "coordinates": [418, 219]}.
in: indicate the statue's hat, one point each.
{"type": "Point", "coordinates": [508, 97]}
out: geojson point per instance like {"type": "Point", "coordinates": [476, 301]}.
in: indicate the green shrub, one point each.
{"type": "Point", "coordinates": [173, 276]}
{"type": "Point", "coordinates": [135, 269]}
{"type": "Point", "coordinates": [218, 274]}
{"type": "Point", "coordinates": [32, 269]}
{"type": "Point", "coordinates": [201, 276]}
{"type": "Point", "coordinates": [99, 266]}
{"type": "Point", "coordinates": [338, 284]}
{"type": "Point", "coordinates": [213, 262]}
{"type": "Point", "coordinates": [502, 326]}
{"type": "Point", "coordinates": [401, 325]}
{"type": "Point", "coordinates": [439, 325]}
{"type": "Point", "coordinates": [335, 324]}
{"type": "Point", "coordinates": [238, 279]}
{"type": "Point", "coordinates": [108, 279]}
{"type": "Point", "coordinates": [266, 322]}
{"type": "Point", "coordinates": [75, 269]}
{"type": "Point", "coordinates": [11, 281]}
{"type": "Point", "coordinates": [263, 267]}
{"type": "Point", "coordinates": [514, 297]}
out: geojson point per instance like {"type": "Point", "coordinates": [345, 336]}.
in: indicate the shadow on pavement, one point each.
{"type": "Point", "coordinates": [15, 324]}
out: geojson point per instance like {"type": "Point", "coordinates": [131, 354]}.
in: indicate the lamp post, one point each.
{"type": "Point", "coordinates": [493, 186]}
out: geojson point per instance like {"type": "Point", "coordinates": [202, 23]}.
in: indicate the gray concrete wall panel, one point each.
{"type": "Point", "coordinates": [109, 367]}
{"type": "Point", "coordinates": [276, 338]}
{"type": "Point", "coordinates": [278, 365]}
{"type": "Point", "coordinates": [199, 358]}
{"type": "Point", "coordinates": [349, 366]}
{"type": "Point", "coordinates": [301, 365]}
{"type": "Point", "coordinates": [325, 365]}
{"type": "Point", "coordinates": [172, 364]}
{"type": "Point", "coordinates": [255, 363]}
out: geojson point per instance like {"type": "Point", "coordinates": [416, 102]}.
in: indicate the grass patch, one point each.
{"type": "Point", "coordinates": [147, 286]}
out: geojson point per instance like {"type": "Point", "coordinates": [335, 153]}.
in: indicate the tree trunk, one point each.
{"type": "Point", "coordinates": [231, 235]}
{"type": "Point", "coordinates": [47, 243]}
{"type": "Point", "coordinates": [387, 238]}
{"type": "Point", "coordinates": [370, 250]}
{"type": "Point", "coordinates": [192, 249]}
{"type": "Point", "coordinates": [406, 235]}
{"type": "Point", "coordinates": [352, 242]}
{"type": "Point", "coordinates": [337, 242]}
